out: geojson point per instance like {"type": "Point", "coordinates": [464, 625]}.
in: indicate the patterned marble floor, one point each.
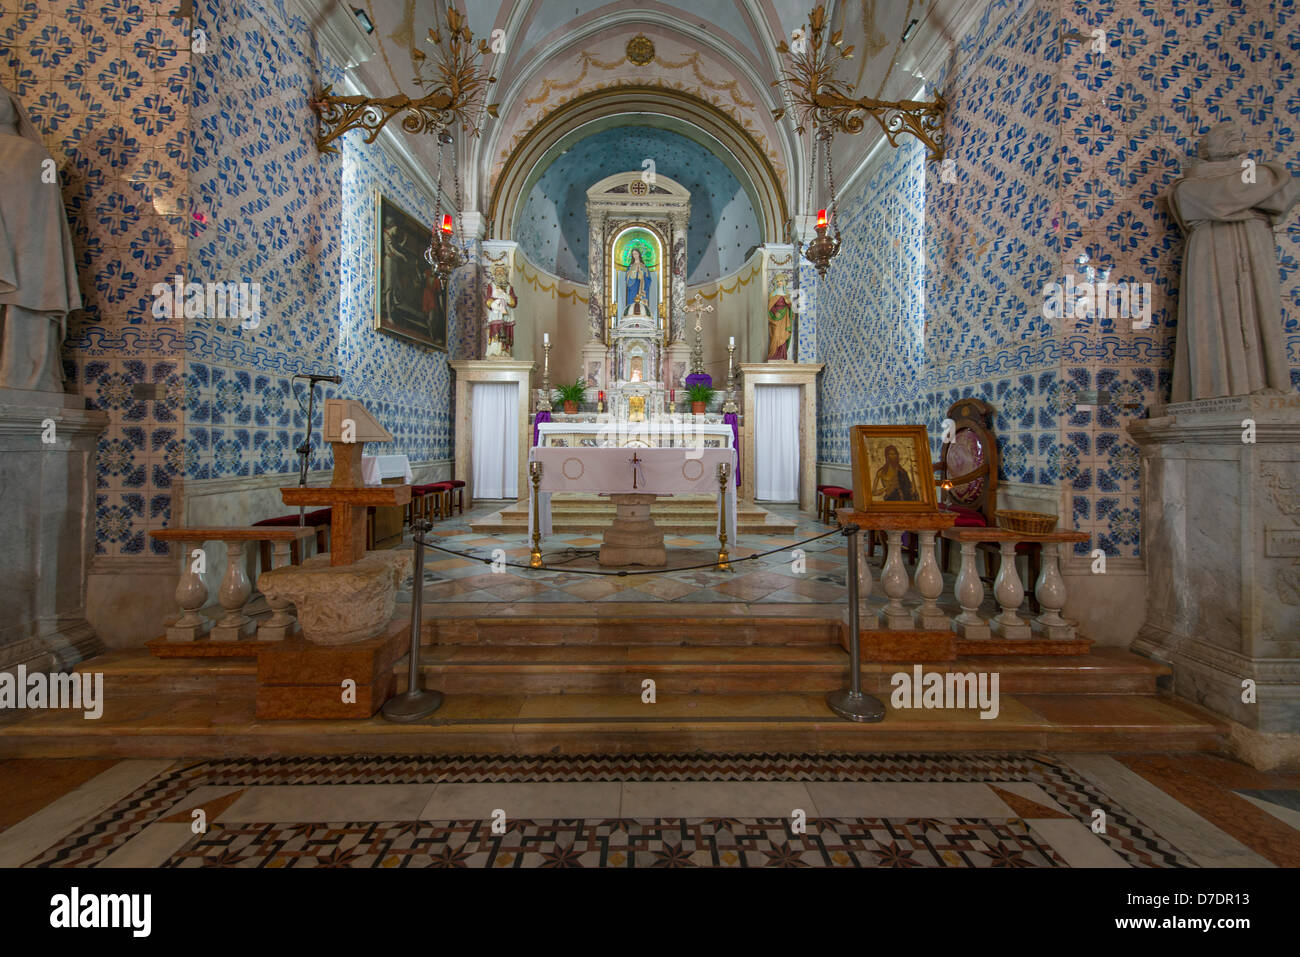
{"type": "Point", "coordinates": [950, 811]}
{"type": "Point", "coordinates": [781, 577]}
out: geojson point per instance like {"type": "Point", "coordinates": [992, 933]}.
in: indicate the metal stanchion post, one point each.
{"type": "Point", "coordinates": [852, 704]}
{"type": "Point", "coordinates": [724, 564]}
{"type": "Point", "coordinates": [535, 554]}
{"type": "Point", "coordinates": [415, 704]}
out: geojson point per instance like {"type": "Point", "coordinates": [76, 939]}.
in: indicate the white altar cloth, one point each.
{"type": "Point", "coordinates": [664, 432]}
{"type": "Point", "coordinates": [376, 468]}
{"type": "Point", "coordinates": [609, 472]}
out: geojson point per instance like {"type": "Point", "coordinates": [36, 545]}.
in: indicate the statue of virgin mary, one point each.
{"type": "Point", "coordinates": [638, 279]}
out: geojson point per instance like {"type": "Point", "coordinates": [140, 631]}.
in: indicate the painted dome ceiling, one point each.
{"type": "Point", "coordinates": [552, 226]}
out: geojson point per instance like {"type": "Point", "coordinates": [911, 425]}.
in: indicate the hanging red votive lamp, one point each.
{"type": "Point", "coordinates": [447, 227]}
{"type": "Point", "coordinates": [821, 219]}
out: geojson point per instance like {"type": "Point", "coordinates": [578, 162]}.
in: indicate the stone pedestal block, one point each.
{"type": "Point", "coordinates": [633, 539]}
{"type": "Point", "coordinates": [1221, 538]}
{"type": "Point", "coordinates": [47, 474]}
{"type": "Point", "coordinates": [339, 604]}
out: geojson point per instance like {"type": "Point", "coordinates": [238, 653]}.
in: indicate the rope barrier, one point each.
{"type": "Point", "coordinates": [624, 573]}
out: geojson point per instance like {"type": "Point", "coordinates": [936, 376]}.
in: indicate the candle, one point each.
{"type": "Point", "coordinates": [446, 223]}
{"type": "Point", "coordinates": [546, 338]}
{"type": "Point", "coordinates": [672, 395]}
{"type": "Point", "coordinates": [732, 342]}
{"type": "Point", "coordinates": [821, 217]}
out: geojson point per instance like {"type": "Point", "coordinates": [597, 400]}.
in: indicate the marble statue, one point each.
{"type": "Point", "coordinates": [1230, 307]}
{"type": "Point", "coordinates": [38, 274]}
{"type": "Point", "coordinates": [501, 301]}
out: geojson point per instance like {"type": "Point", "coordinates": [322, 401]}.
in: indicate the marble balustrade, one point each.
{"type": "Point", "coordinates": [235, 589]}
{"type": "Point", "coordinates": [968, 589]}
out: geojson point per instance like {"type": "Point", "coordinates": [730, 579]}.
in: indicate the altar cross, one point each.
{"type": "Point", "coordinates": [699, 307]}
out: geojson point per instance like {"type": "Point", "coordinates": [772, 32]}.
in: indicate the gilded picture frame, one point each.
{"type": "Point", "coordinates": [892, 471]}
{"type": "Point", "coordinates": [410, 299]}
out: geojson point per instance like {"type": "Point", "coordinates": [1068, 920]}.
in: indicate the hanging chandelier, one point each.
{"type": "Point", "coordinates": [443, 253]}
{"type": "Point", "coordinates": [822, 101]}
{"type": "Point", "coordinates": [822, 249]}
{"type": "Point", "coordinates": [453, 83]}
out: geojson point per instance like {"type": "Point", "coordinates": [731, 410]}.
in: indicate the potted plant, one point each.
{"type": "Point", "coordinates": [700, 396]}
{"type": "Point", "coordinates": [571, 395]}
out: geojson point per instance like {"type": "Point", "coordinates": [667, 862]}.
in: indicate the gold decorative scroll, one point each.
{"type": "Point", "coordinates": [822, 101]}
{"type": "Point", "coordinates": [455, 92]}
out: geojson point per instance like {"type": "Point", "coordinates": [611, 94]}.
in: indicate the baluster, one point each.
{"type": "Point", "coordinates": [191, 595]}
{"type": "Point", "coordinates": [969, 591]}
{"type": "Point", "coordinates": [282, 622]}
{"type": "Point", "coordinates": [929, 583]}
{"type": "Point", "coordinates": [1050, 592]}
{"type": "Point", "coordinates": [893, 582]}
{"type": "Point", "coordinates": [1010, 593]}
{"type": "Point", "coordinates": [233, 595]}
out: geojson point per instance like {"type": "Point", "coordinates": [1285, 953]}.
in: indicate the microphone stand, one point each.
{"type": "Point", "coordinates": [304, 450]}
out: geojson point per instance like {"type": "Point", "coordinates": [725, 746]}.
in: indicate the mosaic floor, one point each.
{"type": "Point", "coordinates": [953, 811]}
{"type": "Point", "coordinates": [781, 577]}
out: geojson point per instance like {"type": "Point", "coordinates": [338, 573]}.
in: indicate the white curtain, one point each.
{"type": "Point", "coordinates": [776, 443]}
{"type": "Point", "coordinates": [494, 423]}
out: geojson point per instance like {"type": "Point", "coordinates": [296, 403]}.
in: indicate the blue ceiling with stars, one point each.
{"type": "Point", "coordinates": [552, 228]}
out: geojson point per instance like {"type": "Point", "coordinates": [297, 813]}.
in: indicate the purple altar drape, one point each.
{"type": "Point", "coordinates": [699, 378]}
{"type": "Point", "coordinates": [733, 420]}
{"type": "Point", "coordinates": [539, 417]}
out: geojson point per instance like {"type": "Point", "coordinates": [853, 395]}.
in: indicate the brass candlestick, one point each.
{"type": "Point", "coordinates": [544, 403]}
{"type": "Point", "coordinates": [535, 555]}
{"type": "Point", "coordinates": [729, 406]}
{"type": "Point", "coordinates": [724, 559]}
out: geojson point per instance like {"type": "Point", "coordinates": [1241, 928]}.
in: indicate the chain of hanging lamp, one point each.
{"type": "Point", "coordinates": [443, 253]}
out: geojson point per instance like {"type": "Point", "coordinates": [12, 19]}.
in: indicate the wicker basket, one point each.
{"type": "Point", "coordinates": [1029, 523]}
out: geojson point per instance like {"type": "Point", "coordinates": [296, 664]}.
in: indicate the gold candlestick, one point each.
{"type": "Point", "coordinates": [724, 563]}
{"type": "Point", "coordinates": [544, 403]}
{"type": "Point", "coordinates": [535, 555]}
{"type": "Point", "coordinates": [729, 405]}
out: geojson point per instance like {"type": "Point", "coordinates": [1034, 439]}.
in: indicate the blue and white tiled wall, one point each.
{"type": "Point", "coordinates": [205, 165]}
{"type": "Point", "coordinates": [1056, 151]}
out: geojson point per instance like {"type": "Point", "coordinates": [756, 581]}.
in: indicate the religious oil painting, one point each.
{"type": "Point", "coordinates": [410, 301]}
{"type": "Point", "coordinates": [891, 468]}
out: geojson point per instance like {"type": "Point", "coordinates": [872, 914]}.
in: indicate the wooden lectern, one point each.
{"type": "Point", "coordinates": [348, 427]}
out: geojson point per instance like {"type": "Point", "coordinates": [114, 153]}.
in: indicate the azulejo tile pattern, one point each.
{"type": "Point", "coordinates": [1010, 841]}
{"type": "Point", "coordinates": [202, 165]}
{"type": "Point", "coordinates": [1056, 150]}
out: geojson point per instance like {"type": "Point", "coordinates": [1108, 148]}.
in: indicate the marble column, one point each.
{"type": "Point", "coordinates": [596, 304]}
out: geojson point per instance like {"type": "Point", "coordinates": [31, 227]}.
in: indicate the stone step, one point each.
{"type": "Point", "coordinates": [728, 669]}
{"type": "Point", "coordinates": [592, 513]}
{"type": "Point", "coordinates": [171, 725]}
{"type": "Point", "coordinates": [607, 624]}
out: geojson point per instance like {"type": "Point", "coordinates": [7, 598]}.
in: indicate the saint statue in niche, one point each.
{"type": "Point", "coordinates": [780, 319]}
{"type": "Point", "coordinates": [637, 280]}
{"type": "Point", "coordinates": [1230, 338]}
{"type": "Point", "coordinates": [501, 301]}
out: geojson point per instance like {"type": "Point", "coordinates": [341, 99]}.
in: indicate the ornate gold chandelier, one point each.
{"type": "Point", "coordinates": [453, 82]}
{"type": "Point", "coordinates": [821, 100]}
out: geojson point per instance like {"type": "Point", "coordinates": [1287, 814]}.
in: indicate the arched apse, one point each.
{"type": "Point", "coordinates": [551, 227]}
{"type": "Point", "coordinates": [654, 107]}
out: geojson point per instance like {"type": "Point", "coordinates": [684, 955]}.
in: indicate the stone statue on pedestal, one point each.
{"type": "Point", "coordinates": [38, 275]}
{"type": "Point", "coordinates": [1230, 307]}
{"type": "Point", "coordinates": [501, 301]}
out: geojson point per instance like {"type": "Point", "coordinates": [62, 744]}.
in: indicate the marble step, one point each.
{"type": "Point", "coordinates": [596, 624]}
{"type": "Point", "coordinates": [730, 669]}
{"type": "Point", "coordinates": [173, 725]}
{"type": "Point", "coordinates": [593, 513]}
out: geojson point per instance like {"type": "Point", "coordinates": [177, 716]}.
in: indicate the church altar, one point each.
{"type": "Point", "coordinates": [606, 431]}
{"type": "Point", "coordinates": [611, 471]}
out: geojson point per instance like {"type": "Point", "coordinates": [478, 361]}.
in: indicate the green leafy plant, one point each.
{"type": "Point", "coordinates": [572, 393]}
{"type": "Point", "coordinates": [701, 393]}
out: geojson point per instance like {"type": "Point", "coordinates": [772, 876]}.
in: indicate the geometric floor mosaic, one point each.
{"type": "Point", "coordinates": [970, 810]}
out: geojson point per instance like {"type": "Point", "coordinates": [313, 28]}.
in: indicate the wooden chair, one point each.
{"type": "Point", "coordinates": [969, 465]}
{"type": "Point", "coordinates": [319, 520]}
{"type": "Point", "coordinates": [829, 498]}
